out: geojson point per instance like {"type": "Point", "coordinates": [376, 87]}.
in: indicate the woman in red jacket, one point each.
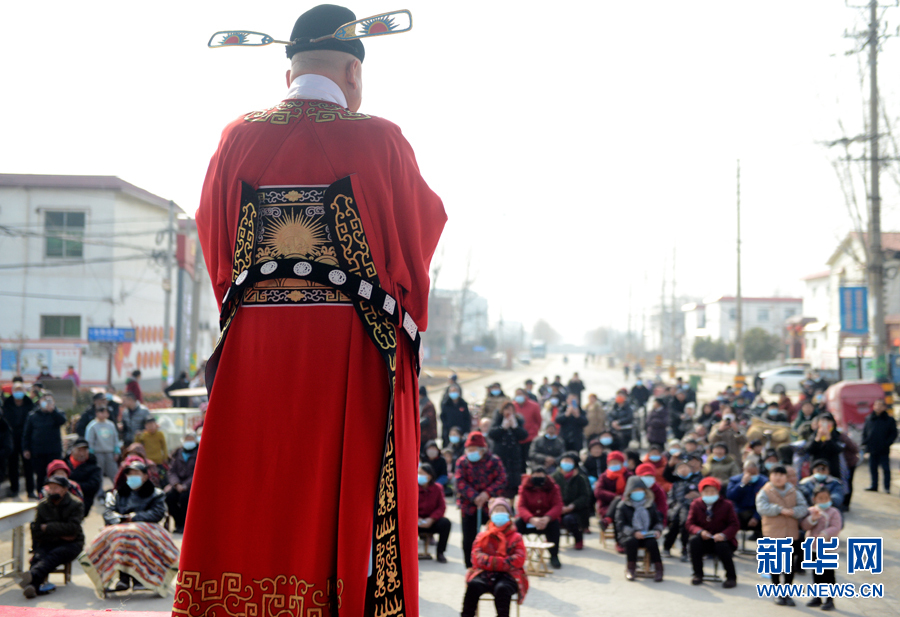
{"type": "Point", "coordinates": [713, 525]}
{"type": "Point", "coordinates": [540, 510]}
{"type": "Point", "coordinates": [611, 484]}
{"type": "Point", "coordinates": [431, 509]}
{"type": "Point", "coordinates": [498, 558]}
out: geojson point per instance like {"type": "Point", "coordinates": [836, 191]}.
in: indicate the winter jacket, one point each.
{"type": "Point", "coordinates": [431, 501]}
{"type": "Point", "coordinates": [493, 404]}
{"type": "Point", "coordinates": [41, 434]}
{"type": "Point", "coordinates": [828, 526]}
{"type": "Point", "coordinates": [506, 446]}
{"type": "Point", "coordinates": [829, 449]}
{"type": "Point", "coordinates": [530, 412]}
{"type": "Point", "coordinates": [7, 440]}
{"type": "Point", "coordinates": [427, 420]}
{"type": "Point", "coordinates": [576, 491]}
{"type": "Point", "coordinates": [640, 395]}
{"type": "Point", "coordinates": [720, 518]}
{"type": "Point", "coordinates": [625, 513]}
{"type": "Point", "coordinates": [681, 487]}
{"type": "Point", "coordinates": [607, 490]}
{"type": "Point", "coordinates": [487, 475]}
{"type": "Point", "coordinates": [851, 450]}
{"type": "Point", "coordinates": [879, 432]}
{"type": "Point", "coordinates": [102, 437]}
{"type": "Point", "coordinates": [454, 413]}
{"type": "Point", "coordinates": [660, 500]}
{"type": "Point", "coordinates": [769, 503]}
{"type": "Point", "coordinates": [16, 415]}
{"type": "Point", "coordinates": [571, 429]}
{"type": "Point", "coordinates": [744, 496]}
{"type": "Point", "coordinates": [133, 386]}
{"type": "Point", "coordinates": [733, 439]}
{"type": "Point", "coordinates": [596, 417]}
{"type": "Point", "coordinates": [63, 522]}
{"type": "Point", "coordinates": [181, 471]}
{"type": "Point", "coordinates": [500, 549]}
{"type": "Point", "coordinates": [835, 489]}
{"type": "Point", "coordinates": [148, 504]}
{"type": "Point", "coordinates": [134, 420]}
{"type": "Point", "coordinates": [595, 466]}
{"type": "Point", "coordinates": [722, 470]}
{"type": "Point", "coordinates": [86, 417]}
{"type": "Point", "coordinates": [88, 475]}
{"type": "Point", "coordinates": [623, 414]}
{"type": "Point", "coordinates": [540, 501]}
{"type": "Point", "coordinates": [542, 447]}
{"type": "Point", "coordinates": [659, 471]}
{"type": "Point", "coordinates": [439, 464]}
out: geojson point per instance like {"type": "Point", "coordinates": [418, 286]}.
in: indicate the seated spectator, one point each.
{"type": "Point", "coordinates": [657, 423]}
{"type": "Point", "coordinates": [133, 544]}
{"type": "Point", "coordinates": [546, 449]}
{"type": "Point", "coordinates": [611, 484]}
{"type": "Point", "coordinates": [801, 427]}
{"type": "Point", "coordinates": [56, 535]}
{"type": "Point", "coordinates": [647, 473]}
{"type": "Point", "coordinates": [728, 432]}
{"type": "Point", "coordinates": [632, 460]}
{"type": "Point", "coordinates": [685, 489]}
{"type": "Point", "coordinates": [84, 471]}
{"type": "Point", "coordinates": [103, 439]}
{"type": "Point", "coordinates": [754, 450]}
{"type": "Point", "coordinates": [691, 446]}
{"type": "Point", "coordinates": [781, 507]}
{"type": "Point", "coordinates": [595, 463]}
{"type": "Point", "coordinates": [820, 476]}
{"type": "Point", "coordinates": [774, 414]}
{"type": "Point", "coordinates": [576, 497]}
{"type": "Point", "coordinates": [742, 490]}
{"type": "Point", "coordinates": [59, 468]}
{"type": "Point", "coordinates": [179, 479]}
{"type": "Point", "coordinates": [498, 555]}
{"type": "Point", "coordinates": [721, 465]}
{"type": "Point", "coordinates": [457, 444]}
{"type": "Point", "coordinates": [427, 418]}
{"type": "Point", "coordinates": [135, 453]}
{"type": "Point", "coordinates": [638, 525]}
{"type": "Point", "coordinates": [154, 442]}
{"type": "Point", "coordinates": [823, 521]}
{"type": "Point", "coordinates": [432, 508]}
{"type": "Point", "coordinates": [656, 460]}
{"type": "Point", "coordinates": [769, 462]}
{"type": "Point", "coordinates": [713, 526]}
{"type": "Point", "coordinates": [540, 509]}
{"type": "Point", "coordinates": [479, 476]}
{"type": "Point", "coordinates": [675, 451]}
{"type": "Point", "coordinates": [432, 455]}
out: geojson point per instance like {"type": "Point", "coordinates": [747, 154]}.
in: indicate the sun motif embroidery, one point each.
{"type": "Point", "coordinates": [378, 25]}
{"type": "Point", "coordinates": [235, 38]}
{"type": "Point", "coordinates": [295, 236]}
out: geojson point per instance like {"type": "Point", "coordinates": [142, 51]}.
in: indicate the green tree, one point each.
{"type": "Point", "coordinates": [714, 351]}
{"type": "Point", "coordinates": [760, 346]}
{"type": "Point", "coordinates": [543, 331]}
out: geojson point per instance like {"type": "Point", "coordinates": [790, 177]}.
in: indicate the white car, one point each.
{"type": "Point", "coordinates": [781, 379]}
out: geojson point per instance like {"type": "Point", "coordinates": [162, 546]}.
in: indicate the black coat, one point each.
{"type": "Point", "coordinates": [63, 522]}
{"type": "Point", "coordinates": [595, 466]}
{"type": "Point", "coordinates": [830, 450]}
{"type": "Point", "coordinates": [86, 417]}
{"type": "Point", "coordinates": [571, 429]}
{"type": "Point", "coordinates": [41, 434]}
{"type": "Point", "coordinates": [624, 514]}
{"type": "Point", "coordinates": [454, 413]}
{"type": "Point", "coordinates": [879, 432]}
{"type": "Point", "coordinates": [148, 504]}
{"type": "Point", "coordinates": [16, 415]}
{"type": "Point", "coordinates": [89, 478]}
{"type": "Point", "coordinates": [507, 448]}
{"type": "Point", "coordinates": [7, 441]}
{"type": "Point", "coordinates": [439, 465]}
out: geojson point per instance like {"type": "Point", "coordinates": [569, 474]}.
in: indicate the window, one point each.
{"type": "Point", "coordinates": [60, 326]}
{"type": "Point", "coordinates": [732, 313]}
{"type": "Point", "coordinates": [762, 315]}
{"type": "Point", "coordinates": [788, 313]}
{"type": "Point", "coordinates": [64, 231]}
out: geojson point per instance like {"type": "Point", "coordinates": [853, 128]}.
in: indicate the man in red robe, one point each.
{"type": "Point", "coordinates": [318, 231]}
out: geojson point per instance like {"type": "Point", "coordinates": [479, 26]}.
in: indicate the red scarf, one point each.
{"type": "Point", "coordinates": [75, 463]}
{"type": "Point", "coordinates": [498, 533]}
{"type": "Point", "coordinates": [619, 477]}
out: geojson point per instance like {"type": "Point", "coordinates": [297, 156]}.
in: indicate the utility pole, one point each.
{"type": "Point", "coordinates": [673, 329]}
{"type": "Point", "coordinates": [167, 287]}
{"type": "Point", "coordinates": [628, 346]}
{"type": "Point", "coordinates": [739, 313]}
{"type": "Point", "coordinates": [662, 313]}
{"type": "Point", "coordinates": [876, 255]}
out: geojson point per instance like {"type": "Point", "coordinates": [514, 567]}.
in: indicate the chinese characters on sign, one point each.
{"type": "Point", "coordinates": [773, 555]}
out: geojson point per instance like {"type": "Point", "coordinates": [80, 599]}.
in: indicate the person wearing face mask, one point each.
{"type": "Point", "coordinates": [781, 507]}
{"type": "Point", "coordinates": [825, 443]}
{"type": "Point", "coordinates": [656, 459]}
{"type": "Point", "coordinates": [540, 510]}
{"type": "Point", "coordinates": [647, 473]}
{"type": "Point", "coordinates": [685, 489]}
{"type": "Point", "coordinates": [657, 423]}
{"type": "Point", "coordinates": [554, 405]}
{"type": "Point", "coordinates": [742, 490]}
{"type": "Point", "coordinates": [571, 424]}
{"type": "Point", "coordinates": [530, 412]}
{"type": "Point", "coordinates": [89, 414]}
{"type": "Point", "coordinates": [56, 534]}
{"type": "Point", "coordinates": [479, 476]}
{"type": "Point", "coordinates": [546, 449]}
{"type": "Point", "coordinates": [432, 455]}
{"type": "Point", "coordinates": [494, 400]}
{"type": "Point", "coordinates": [595, 463]}
{"type": "Point", "coordinates": [505, 433]}
{"type": "Point", "coordinates": [640, 394]}
{"type": "Point", "coordinates": [621, 418]}
{"type": "Point", "coordinates": [879, 432]}
{"type": "Point", "coordinates": [820, 477]}
{"type": "Point", "coordinates": [179, 478]}
{"type": "Point", "coordinates": [577, 497]}
{"type": "Point", "coordinates": [41, 438]}
{"type": "Point", "coordinates": [15, 411]}
{"type": "Point", "coordinates": [575, 387]}
{"type": "Point", "coordinates": [639, 524]}
{"type": "Point", "coordinates": [774, 414]}
{"type": "Point", "coordinates": [596, 417]}
{"type": "Point", "coordinates": [454, 412]}
{"type": "Point", "coordinates": [721, 465]}
{"type": "Point", "coordinates": [432, 507]}
{"type": "Point", "coordinates": [427, 418]}
{"type": "Point", "coordinates": [610, 485]}
{"type": "Point", "coordinates": [456, 443]}
{"type": "Point", "coordinates": [713, 526]}
{"type": "Point", "coordinates": [133, 544]}
{"type": "Point", "coordinates": [728, 431]}
{"type": "Point", "coordinates": [498, 558]}
{"type": "Point", "coordinates": [823, 521]}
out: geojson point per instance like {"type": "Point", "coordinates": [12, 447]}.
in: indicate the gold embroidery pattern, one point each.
{"type": "Point", "coordinates": [243, 244]}
{"type": "Point", "coordinates": [281, 596]}
{"type": "Point", "coordinates": [322, 111]}
{"type": "Point", "coordinates": [353, 239]}
{"type": "Point", "coordinates": [281, 114]}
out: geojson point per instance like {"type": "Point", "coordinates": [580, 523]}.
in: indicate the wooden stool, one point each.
{"type": "Point", "coordinates": [607, 534]}
{"type": "Point", "coordinates": [66, 570]}
{"type": "Point", "coordinates": [425, 540]}
{"type": "Point", "coordinates": [536, 559]}
{"type": "Point", "coordinates": [643, 569]}
{"type": "Point", "coordinates": [490, 598]}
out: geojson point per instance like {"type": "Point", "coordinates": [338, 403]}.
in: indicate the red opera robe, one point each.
{"type": "Point", "coordinates": [280, 520]}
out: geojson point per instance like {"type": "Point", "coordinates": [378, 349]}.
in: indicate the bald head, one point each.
{"type": "Point", "coordinates": [340, 67]}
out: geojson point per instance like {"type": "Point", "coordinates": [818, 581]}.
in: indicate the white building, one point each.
{"type": "Point", "coordinates": [716, 317]}
{"type": "Point", "coordinates": [83, 251]}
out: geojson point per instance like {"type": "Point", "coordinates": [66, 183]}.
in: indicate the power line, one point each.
{"type": "Point", "coordinates": [52, 297]}
{"type": "Point", "coordinates": [99, 260]}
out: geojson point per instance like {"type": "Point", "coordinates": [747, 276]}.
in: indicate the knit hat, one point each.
{"type": "Point", "coordinates": [819, 462]}
{"type": "Point", "coordinates": [476, 439]}
{"type": "Point", "coordinates": [710, 481]}
{"type": "Point", "coordinates": [499, 501]}
{"type": "Point", "coordinates": [63, 482]}
{"type": "Point", "coordinates": [57, 465]}
{"type": "Point", "coordinates": [615, 455]}
{"type": "Point", "coordinates": [645, 469]}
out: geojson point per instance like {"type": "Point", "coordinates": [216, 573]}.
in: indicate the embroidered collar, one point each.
{"type": "Point", "coordinates": [316, 87]}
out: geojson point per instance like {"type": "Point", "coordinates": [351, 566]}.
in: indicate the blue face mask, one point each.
{"type": "Point", "coordinates": [614, 468]}
{"type": "Point", "coordinates": [454, 396]}
{"type": "Point", "coordinates": [109, 396]}
{"type": "Point", "coordinates": [770, 465]}
{"type": "Point", "coordinates": [423, 480]}
{"type": "Point", "coordinates": [606, 441]}
{"type": "Point", "coordinates": [773, 412]}
{"type": "Point", "coordinates": [566, 466]}
{"type": "Point", "coordinates": [554, 401]}
{"type": "Point", "coordinates": [18, 395]}
{"type": "Point", "coordinates": [134, 482]}
{"type": "Point", "coordinates": [473, 457]}
{"type": "Point", "coordinates": [495, 392]}
{"type": "Point", "coordinates": [710, 499]}
{"type": "Point", "coordinates": [825, 505]}
{"type": "Point", "coordinates": [655, 457]}
{"type": "Point", "coordinates": [821, 477]}
{"type": "Point", "coordinates": [718, 458]}
{"type": "Point", "coordinates": [639, 383]}
{"type": "Point", "coordinates": [500, 518]}
{"type": "Point", "coordinates": [674, 451]}
{"type": "Point", "coordinates": [454, 438]}
{"type": "Point", "coordinates": [754, 478]}
{"type": "Point", "coordinates": [189, 445]}
{"type": "Point", "coordinates": [520, 399]}
{"type": "Point", "coordinates": [549, 436]}
{"type": "Point", "coordinates": [648, 481]}
{"type": "Point", "coordinates": [637, 496]}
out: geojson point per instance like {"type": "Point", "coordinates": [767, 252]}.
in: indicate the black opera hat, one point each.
{"type": "Point", "coordinates": [322, 21]}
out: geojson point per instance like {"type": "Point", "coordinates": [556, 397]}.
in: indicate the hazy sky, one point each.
{"type": "Point", "coordinates": [574, 143]}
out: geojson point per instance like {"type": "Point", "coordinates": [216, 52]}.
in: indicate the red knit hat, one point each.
{"type": "Point", "coordinates": [56, 465]}
{"type": "Point", "coordinates": [476, 439]}
{"type": "Point", "coordinates": [645, 469]}
{"type": "Point", "coordinates": [710, 481]}
{"type": "Point", "coordinates": [615, 455]}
